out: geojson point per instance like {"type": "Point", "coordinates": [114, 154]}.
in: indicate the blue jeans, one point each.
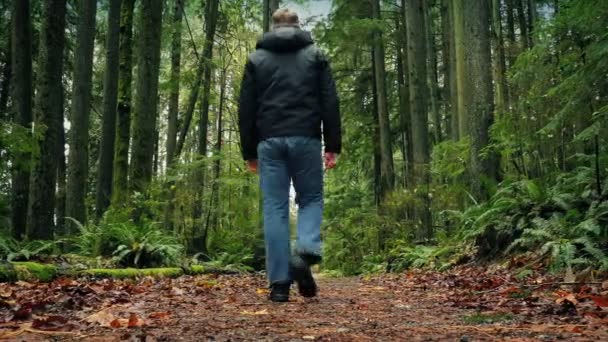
{"type": "Point", "coordinates": [281, 160]}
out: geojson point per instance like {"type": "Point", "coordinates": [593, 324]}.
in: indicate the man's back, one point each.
{"type": "Point", "coordinates": [288, 91]}
{"type": "Point", "coordinates": [287, 67]}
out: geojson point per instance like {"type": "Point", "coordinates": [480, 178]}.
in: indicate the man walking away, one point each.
{"type": "Point", "coordinates": [287, 93]}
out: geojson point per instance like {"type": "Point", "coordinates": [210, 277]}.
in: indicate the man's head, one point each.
{"type": "Point", "coordinates": [284, 17]}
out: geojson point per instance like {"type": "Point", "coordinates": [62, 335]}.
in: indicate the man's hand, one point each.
{"type": "Point", "coordinates": [330, 160]}
{"type": "Point", "coordinates": [252, 165]}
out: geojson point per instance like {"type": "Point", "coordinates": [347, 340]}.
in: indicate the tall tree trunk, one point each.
{"type": "Point", "coordinates": [176, 56]}
{"type": "Point", "coordinates": [418, 94]}
{"type": "Point", "coordinates": [459, 56]}
{"type": "Point", "coordinates": [376, 137]}
{"type": "Point", "coordinates": [49, 113]}
{"type": "Point", "coordinates": [432, 76]}
{"type": "Point", "coordinates": [218, 151]}
{"type": "Point", "coordinates": [144, 121]}
{"type": "Point", "coordinates": [478, 93]}
{"type": "Point", "coordinates": [404, 97]}
{"type": "Point", "coordinates": [387, 168]}
{"type": "Point", "coordinates": [5, 85]}
{"type": "Point", "coordinates": [21, 98]}
{"type": "Point", "coordinates": [531, 21]}
{"type": "Point", "coordinates": [123, 108]}
{"type": "Point", "coordinates": [60, 213]}
{"type": "Point", "coordinates": [502, 96]}
{"type": "Point", "coordinates": [110, 100]}
{"type": "Point", "coordinates": [211, 16]}
{"type": "Point", "coordinates": [78, 159]}
{"type": "Point", "coordinates": [511, 31]}
{"type": "Point", "coordinates": [450, 95]}
{"type": "Point", "coordinates": [523, 25]}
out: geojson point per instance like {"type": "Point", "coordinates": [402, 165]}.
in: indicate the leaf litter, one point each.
{"type": "Point", "coordinates": [465, 303]}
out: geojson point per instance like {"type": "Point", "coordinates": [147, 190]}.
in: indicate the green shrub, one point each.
{"type": "Point", "coordinates": [148, 246]}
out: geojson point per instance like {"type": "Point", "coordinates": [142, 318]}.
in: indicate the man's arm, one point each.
{"type": "Point", "coordinates": [247, 114]}
{"type": "Point", "coordinates": [330, 108]}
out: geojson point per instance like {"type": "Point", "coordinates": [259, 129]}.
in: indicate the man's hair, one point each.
{"type": "Point", "coordinates": [285, 17]}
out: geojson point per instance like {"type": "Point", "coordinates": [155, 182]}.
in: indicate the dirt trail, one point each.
{"type": "Point", "coordinates": [467, 306]}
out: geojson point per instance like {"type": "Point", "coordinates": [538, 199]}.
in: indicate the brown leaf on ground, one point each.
{"type": "Point", "coordinates": [159, 315]}
{"type": "Point", "coordinates": [6, 292]}
{"type": "Point", "coordinates": [601, 301]}
{"type": "Point", "coordinates": [135, 321]}
{"type": "Point", "coordinates": [103, 318]}
{"type": "Point", "coordinates": [51, 323]}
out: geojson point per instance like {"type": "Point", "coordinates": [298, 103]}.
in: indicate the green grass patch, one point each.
{"type": "Point", "coordinates": [124, 273]}
{"type": "Point", "coordinates": [488, 318]}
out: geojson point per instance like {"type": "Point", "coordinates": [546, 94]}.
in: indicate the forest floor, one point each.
{"type": "Point", "coordinates": [464, 304]}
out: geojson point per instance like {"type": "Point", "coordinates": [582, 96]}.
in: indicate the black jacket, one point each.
{"type": "Point", "coordinates": [288, 90]}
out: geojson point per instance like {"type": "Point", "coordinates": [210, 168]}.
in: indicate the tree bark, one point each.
{"type": "Point", "coordinates": [110, 100]}
{"type": "Point", "coordinates": [418, 94]}
{"type": "Point", "coordinates": [176, 56]}
{"type": "Point", "coordinates": [523, 25]}
{"type": "Point", "coordinates": [144, 123]}
{"type": "Point", "coordinates": [459, 55]}
{"type": "Point", "coordinates": [49, 113]}
{"type": "Point", "coordinates": [531, 21]}
{"type": "Point", "coordinates": [450, 95]}
{"type": "Point", "coordinates": [21, 96]}
{"type": "Point", "coordinates": [211, 16]}
{"type": "Point", "coordinates": [376, 137]}
{"type": "Point", "coordinates": [404, 97]}
{"type": "Point", "coordinates": [432, 75]}
{"type": "Point", "coordinates": [478, 93]}
{"type": "Point", "coordinates": [5, 85]}
{"type": "Point", "coordinates": [61, 182]}
{"type": "Point", "coordinates": [78, 158]}
{"type": "Point", "coordinates": [218, 150]}
{"type": "Point", "coordinates": [386, 151]}
{"type": "Point", "coordinates": [500, 68]}
{"type": "Point", "coordinates": [511, 31]}
{"type": "Point", "coordinates": [120, 182]}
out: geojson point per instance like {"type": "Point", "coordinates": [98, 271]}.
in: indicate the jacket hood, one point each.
{"type": "Point", "coordinates": [285, 39]}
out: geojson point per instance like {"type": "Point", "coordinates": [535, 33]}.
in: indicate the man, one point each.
{"type": "Point", "coordinates": [287, 93]}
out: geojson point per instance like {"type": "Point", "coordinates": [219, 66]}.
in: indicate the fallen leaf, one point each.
{"type": "Point", "coordinates": [567, 297]}
{"type": "Point", "coordinates": [22, 313]}
{"type": "Point", "coordinates": [255, 313]}
{"type": "Point", "coordinates": [50, 323]}
{"type": "Point", "coordinates": [6, 292]}
{"type": "Point", "coordinates": [135, 321]}
{"type": "Point", "coordinates": [118, 323]}
{"type": "Point", "coordinates": [600, 301]}
{"type": "Point", "coordinates": [262, 291]}
{"type": "Point", "coordinates": [176, 291]}
{"type": "Point", "coordinates": [159, 315]}
{"type": "Point", "coordinates": [24, 284]}
{"type": "Point", "coordinates": [576, 329]}
{"type": "Point", "coordinates": [509, 291]}
{"type": "Point", "coordinates": [102, 318]}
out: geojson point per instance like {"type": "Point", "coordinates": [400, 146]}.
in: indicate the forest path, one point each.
{"type": "Point", "coordinates": [461, 305]}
